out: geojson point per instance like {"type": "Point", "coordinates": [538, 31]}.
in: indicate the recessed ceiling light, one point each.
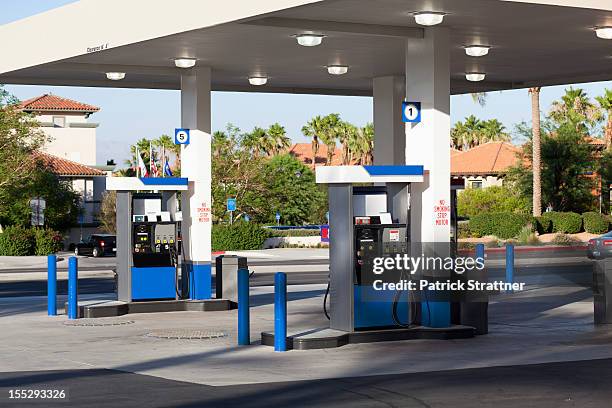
{"type": "Point", "coordinates": [604, 32]}
{"type": "Point", "coordinates": [258, 80]}
{"type": "Point", "coordinates": [184, 62]}
{"type": "Point", "coordinates": [428, 18]}
{"type": "Point", "coordinates": [115, 76]}
{"type": "Point", "coordinates": [475, 76]}
{"type": "Point", "coordinates": [337, 69]}
{"type": "Point", "coordinates": [477, 50]}
{"type": "Point", "coordinates": [309, 40]}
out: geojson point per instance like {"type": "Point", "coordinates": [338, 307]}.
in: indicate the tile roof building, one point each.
{"type": "Point", "coordinates": [54, 103]}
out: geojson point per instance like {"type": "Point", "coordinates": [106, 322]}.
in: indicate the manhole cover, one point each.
{"type": "Point", "coordinates": [186, 334]}
{"type": "Point", "coordinates": [97, 322]}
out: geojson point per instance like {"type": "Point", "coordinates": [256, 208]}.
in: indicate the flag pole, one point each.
{"type": "Point", "coordinates": [137, 161]}
{"type": "Point", "coordinates": [163, 161]}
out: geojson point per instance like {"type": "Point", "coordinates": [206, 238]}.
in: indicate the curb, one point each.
{"type": "Point", "coordinates": [533, 248]}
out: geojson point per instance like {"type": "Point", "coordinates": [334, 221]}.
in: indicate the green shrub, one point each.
{"type": "Point", "coordinates": [17, 241]}
{"type": "Point", "coordinates": [595, 223]}
{"type": "Point", "coordinates": [527, 236]}
{"type": "Point", "coordinates": [504, 224]}
{"type": "Point", "coordinates": [471, 202]}
{"type": "Point", "coordinates": [543, 224]}
{"type": "Point", "coordinates": [294, 232]}
{"type": "Point", "coordinates": [47, 241]}
{"type": "Point", "coordinates": [239, 236]}
{"type": "Point", "coordinates": [565, 222]}
{"type": "Point", "coordinates": [464, 229]}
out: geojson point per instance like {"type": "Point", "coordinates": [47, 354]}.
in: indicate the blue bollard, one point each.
{"type": "Point", "coordinates": [480, 251]}
{"type": "Point", "coordinates": [244, 323]}
{"type": "Point", "coordinates": [280, 311]}
{"type": "Point", "coordinates": [509, 265]}
{"type": "Point", "coordinates": [52, 285]}
{"type": "Point", "coordinates": [73, 305]}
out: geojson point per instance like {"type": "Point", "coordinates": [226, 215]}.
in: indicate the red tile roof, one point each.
{"type": "Point", "coordinates": [490, 158]}
{"type": "Point", "coordinates": [48, 102]}
{"type": "Point", "coordinates": [65, 167]}
{"type": "Point", "coordinates": [303, 152]}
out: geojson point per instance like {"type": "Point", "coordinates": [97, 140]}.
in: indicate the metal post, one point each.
{"type": "Point", "coordinates": [509, 265]}
{"type": "Point", "coordinates": [244, 326]}
{"type": "Point", "coordinates": [52, 285]}
{"type": "Point", "coordinates": [480, 251]}
{"type": "Point", "coordinates": [280, 311]}
{"type": "Point", "coordinates": [73, 307]}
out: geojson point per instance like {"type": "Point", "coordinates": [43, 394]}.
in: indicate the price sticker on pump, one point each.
{"type": "Point", "coordinates": [181, 136]}
{"type": "Point", "coordinates": [411, 112]}
{"type": "Point", "coordinates": [394, 235]}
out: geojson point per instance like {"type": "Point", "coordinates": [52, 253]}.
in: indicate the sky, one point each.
{"type": "Point", "coordinates": [127, 115]}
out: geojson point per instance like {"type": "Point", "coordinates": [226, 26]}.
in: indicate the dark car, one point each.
{"type": "Point", "coordinates": [600, 247]}
{"type": "Point", "coordinates": [97, 245]}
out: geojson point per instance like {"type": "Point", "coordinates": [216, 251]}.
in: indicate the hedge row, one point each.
{"type": "Point", "coordinates": [19, 241]}
{"type": "Point", "coordinates": [508, 225]}
{"type": "Point", "coordinates": [239, 236]}
{"type": "Point", "coordinates": [572, 223]}
{"type": "Point", "coordinates": [502, 224]}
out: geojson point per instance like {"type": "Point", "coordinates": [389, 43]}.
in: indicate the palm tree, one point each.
{"type": "Point", "coordinates": [536, 154]}
{"type": "Point", "coordinates": [465, 135]}
{"type": "Point", "coordinates": [142, 146]}
{"type": "Point", "coordinates": [361, 145]}
{"type": "Point", "coordinates": [329, 135]}
{"type": "Point", "coordinates": [314, 128]}
{"type": "Point", "coordinates": [493, 130]}
{"type": "Point", "coordinates": [255, 141]}
{"type": "Point", "coordinates": [346, 133]}
{"type": "Point", "coordinates": [166, 143]}
{"type": "Point", "coordinates": [278, 139]}
{"type": "Point", "coordinates": [576, 108]}
{"type": "Point", "coordinates": [605, 102]}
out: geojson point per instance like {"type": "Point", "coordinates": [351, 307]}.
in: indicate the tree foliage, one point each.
{"type": "Point", "coordinates": [474, 132]}
{"type": "Point", "coordinates": [23, 177]}
{"type": "Point", "coordinates": [567, 162]}
{"type": "Point", "coordinates": [495, 199]}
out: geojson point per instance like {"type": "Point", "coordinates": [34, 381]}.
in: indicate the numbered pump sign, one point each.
{"type": "Point", "coordinates": [181, 136]}
{"type": "Point", "coordinates": [411, 112]}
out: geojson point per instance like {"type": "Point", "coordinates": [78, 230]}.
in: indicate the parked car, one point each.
{"type": "Point", "coordinates": [97, 245]}
{"type": "Point", "coordinates": [600, 247]}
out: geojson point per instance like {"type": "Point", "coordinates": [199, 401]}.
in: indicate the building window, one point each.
{"type": "Point", "coordinates": [476, 184]}
{"type": "Point", "coordinates": [59, 121]}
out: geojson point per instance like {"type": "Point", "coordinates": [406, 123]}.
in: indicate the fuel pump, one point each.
{"type": "Point", "coordinates": [148, 237]}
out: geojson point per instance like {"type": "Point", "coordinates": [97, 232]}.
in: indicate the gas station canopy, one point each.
{"type": "Point", "coordinates": [533, 43]}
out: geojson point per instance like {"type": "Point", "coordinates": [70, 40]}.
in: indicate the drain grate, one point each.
{"type": "Point", "coordinates": [188, 334]}
{"type": "Point", "coordinates": [97, 322]}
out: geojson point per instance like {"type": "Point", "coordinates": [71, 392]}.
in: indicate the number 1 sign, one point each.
{"type": "Point", "coordinates": [411, 112]}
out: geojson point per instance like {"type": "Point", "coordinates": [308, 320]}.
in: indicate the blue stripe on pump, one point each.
{"type": "Point", "coordinates": [395, 170]}
{"type": "Point", "coordinates": [164, 181]}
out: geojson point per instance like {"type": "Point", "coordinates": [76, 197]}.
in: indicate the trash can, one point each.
{"type": "Point", "coordinates": [602, 291]}
{"type": "Point", "coordinates": [226, 280]}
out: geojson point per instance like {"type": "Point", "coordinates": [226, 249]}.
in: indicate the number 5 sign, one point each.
{"type": "Point", "coordinates": [181, 136]}
{"type": "Point", "coordinates": [411, 112]}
